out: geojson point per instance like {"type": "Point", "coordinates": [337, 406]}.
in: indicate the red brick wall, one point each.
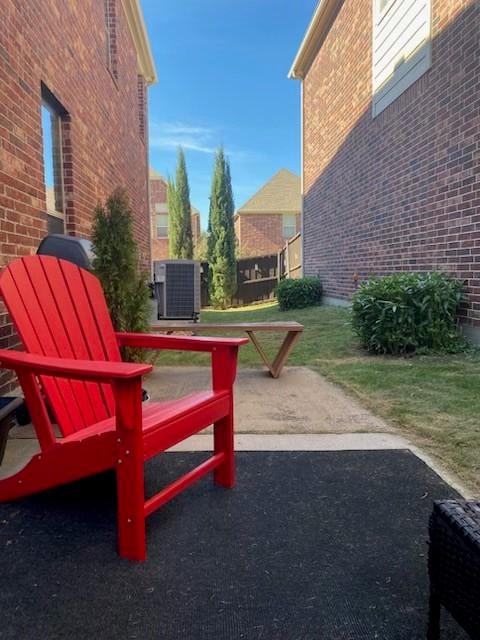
{"type": "Point", "coordinates": [158, 194]}
{"type": "Point", "coordinates": [401, 191]}
{"type": "Point", "coordinates": [63, 45]}
{"type": "Point", "coordinates": [260, 234]}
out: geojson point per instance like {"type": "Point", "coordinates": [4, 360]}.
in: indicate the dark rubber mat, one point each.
{"type": "Point", "coordinates": [309, 545]}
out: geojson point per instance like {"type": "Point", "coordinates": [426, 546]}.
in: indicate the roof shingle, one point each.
{"type": "Point", "coordinates": [281, 194]}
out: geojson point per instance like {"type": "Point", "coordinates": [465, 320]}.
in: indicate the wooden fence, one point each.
{"type": "Point", "coordinates": [257, 277]}
{"type": "Point", "coordinates": [290, 258]}
{"type": "Point", "coordinates": [256, 280]}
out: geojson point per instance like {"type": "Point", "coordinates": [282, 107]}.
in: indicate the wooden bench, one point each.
{"type": "Point", "coordinates": [293, 331]}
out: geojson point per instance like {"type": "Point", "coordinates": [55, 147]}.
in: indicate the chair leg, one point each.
{"type": "Point", "coordinates": [224, 475]}
{"type": "Point", "coordinates": [130, 500]}
{"type": "Point", "coordinates": [433, 632]}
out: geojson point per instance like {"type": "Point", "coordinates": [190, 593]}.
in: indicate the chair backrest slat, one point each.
{"type": "Point", "coordinates": [59, 310]}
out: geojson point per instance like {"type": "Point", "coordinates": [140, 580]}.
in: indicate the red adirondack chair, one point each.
{"type": "Point", "coordinates": [72, 359]}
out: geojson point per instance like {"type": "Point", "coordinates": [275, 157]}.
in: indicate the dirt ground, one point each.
{"type": "Point", "coordinates": [300, 401]}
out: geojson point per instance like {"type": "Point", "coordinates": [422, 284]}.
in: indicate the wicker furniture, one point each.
{"type": "Point", "coordinates": [454, 565]}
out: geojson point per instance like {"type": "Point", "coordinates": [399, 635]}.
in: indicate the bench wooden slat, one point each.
{"type": "Point", "coordinates": [234, 326]}
{"type": "Point", "coordinates": [291, 328]}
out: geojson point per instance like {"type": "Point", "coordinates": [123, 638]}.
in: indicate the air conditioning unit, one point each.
{"type": "Point", "coordinates": [177, 289]}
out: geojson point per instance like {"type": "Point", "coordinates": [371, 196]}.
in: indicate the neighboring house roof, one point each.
{"type": "Point", "coordinates": [281, 194]}
{"type": "Point", "coordinates": [154, 175]}
{"type": "Point", "coordinates": [136, 24]}
{"type": "Point", "coordinates": [319, 26]}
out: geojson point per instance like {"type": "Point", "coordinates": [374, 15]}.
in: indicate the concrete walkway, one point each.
{"type": "Point", "coordinates": [300, 401]}
{"type": "Point", "coordinates": [300, 411]}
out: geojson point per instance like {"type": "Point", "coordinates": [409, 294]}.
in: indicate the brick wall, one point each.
{"type": "Point", "coordinates": [260, 234]}
{"type": "Point", "coordinates": [401, 191]}
{"type": "Point", "coordinates": [64, 46]}
{"type": "Point", "coordinates": [158, 195]}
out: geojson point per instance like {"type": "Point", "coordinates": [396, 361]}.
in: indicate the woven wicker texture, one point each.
{"type": "Point", "coordinates": [454, 564]}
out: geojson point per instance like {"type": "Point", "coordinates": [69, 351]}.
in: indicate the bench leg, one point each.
{"type": "Point", "coordinates": [224, 475]}
{"type": "Point", "coordinates": [281, 358]}
{"type": "Point", "coordinates": [275, 368]}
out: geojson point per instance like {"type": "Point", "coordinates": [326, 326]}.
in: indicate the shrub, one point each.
{"type": "Point", "coordinates": [300, 293]}
{"type": "Point", "coordinates": [407, 312]}
{"type": "Point", "coordinates": [117, 267]}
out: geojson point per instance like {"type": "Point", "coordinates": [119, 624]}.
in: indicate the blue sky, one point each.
{"type": "Point", "coordinates": [222, 67]}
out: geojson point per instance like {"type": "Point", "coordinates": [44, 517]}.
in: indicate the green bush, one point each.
{"type": "Point", "coordinates": [407, 312]}
{"type": "Point", "coordinates": [116, 265]}
{"type": "Point", "coordinates": [300, 293]}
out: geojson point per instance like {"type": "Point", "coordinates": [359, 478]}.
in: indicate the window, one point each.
{"type": "Point", "coordinates": [51, 115]}
{"type": "Point", "coordinates": [162, 225]}
{"type": "Point", "coordinates": [289, 225]}
{"type": "Point", "coordinates": [401, 48]}
{"type": "Point", "coordinates": [161, 207]}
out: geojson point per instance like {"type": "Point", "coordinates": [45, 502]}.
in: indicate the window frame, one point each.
{"type": "Point", "coordinates": [57, 114]}
{"type": "Point", "coordinates": [289, 226]}
{"type": "Point", "coordinates": [162, 226]}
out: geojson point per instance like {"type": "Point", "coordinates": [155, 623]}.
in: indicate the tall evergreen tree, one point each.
{"type": "Point", "coordinates": [184, 207]}
{"type": "Point", "coordinates": [116, 264]}
{"type": "Point", "coordinates": [174, 221]}
{"type": "Point", "coordinates": [221, 244]}
{"type": "Point", "coordinates": [180, 240]}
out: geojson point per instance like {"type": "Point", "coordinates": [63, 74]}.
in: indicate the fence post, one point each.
{"type": "Point", "coordinates": [287, 260]}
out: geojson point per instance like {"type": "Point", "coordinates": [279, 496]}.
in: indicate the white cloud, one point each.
{"type": "Point", "coordinates": [171, 135]}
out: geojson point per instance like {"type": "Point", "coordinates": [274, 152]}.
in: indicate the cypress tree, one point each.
{"type": "Point", "coordinates": [221, 245]}
{"type": "Point", "coordinates": [184, 207]}
{"type": "Point", "coordinates": [180, 240]}
{"type": "Point", "coordinates": [174, 221]}
{"type": "Point", "coordinates": [116, 265]}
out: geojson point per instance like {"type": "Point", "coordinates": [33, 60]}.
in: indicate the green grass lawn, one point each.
{"type": "Point", "coordinates": [435, 400]}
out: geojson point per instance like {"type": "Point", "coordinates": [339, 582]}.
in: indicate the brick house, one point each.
{"type": "Point", "coordinates": [270, 217]}
{"type": "Point", "coordinates": [391, 142]}
{"type": "Point", "coordinates": [159, 217]}
{"type": "Point", "coordinates": [73, 121]}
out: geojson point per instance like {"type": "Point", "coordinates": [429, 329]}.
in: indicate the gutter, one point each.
{"type": "Point", "coordinates": [317, 29]}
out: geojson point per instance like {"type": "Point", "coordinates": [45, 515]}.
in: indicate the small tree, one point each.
{"type": "Point", "coordinates": [180, 212]}
{"type": "Point", "coordinates": [116, 264]}
{"type": "Point", "coordinates": [221, 241]}
{"type": "Point", "coordinates": [174, 226]}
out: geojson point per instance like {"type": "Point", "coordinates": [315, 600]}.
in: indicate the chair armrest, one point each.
{"type": "Point", "coordinates": [177, 343]}
{"type": "Point", "coordinates": [98, 370]}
